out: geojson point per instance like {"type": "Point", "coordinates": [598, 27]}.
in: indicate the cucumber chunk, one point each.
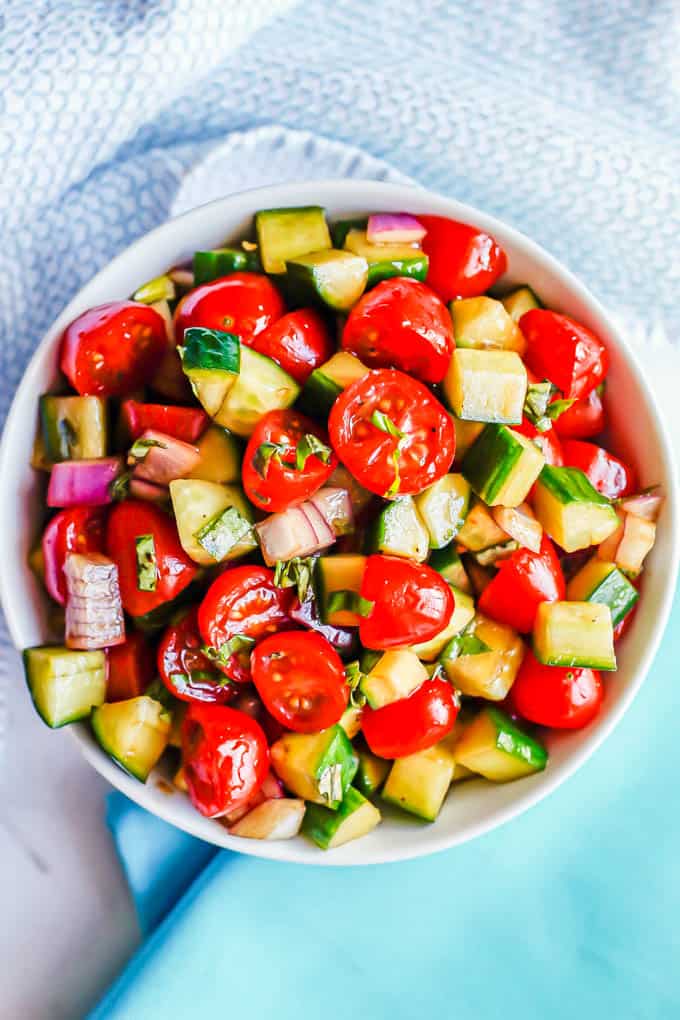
{"type": "Point", "coordinates": [341, 229]}
{"type": "Point", "coordinates": [443, 507]}
{"type": "Point", "coordinates": [419, 783]}
{"type": "Point", "coordinates": [599, 581]}
{"type": "Point", "coordinates": [195, 504]}
{"type": "Point", "coordinates": [211, 360]}
{"type": "Point", "coordinates": [350, 720]}
{"type": "Point", "coordinates": [575, 634]}
{"type": "Point", "coordinates": [480, 530]}
{"type": "Point", "coordinates": [327, 382]}
{"type": "Point", "coordinates": [462, 615]}
{"type": "Point", "coordinates": [399, 530]}
{"type": "Point", "coordinates": [318, 767]}
{"type": "Point", "coordinates": [134, 733]}
{"type": "Point", "coordinates": [520, 301]}
{"type": "Point", "coordinates": [261, 386]}
{"type": "Point", "coordinates": [466, 433]}
{"type": "Point", "coordinates": [335, 574]}
{"type": "Point", "coordinates": [502, 465]}
{"type": "Point", "coordinates": [354, 818]}
{"type": "Point", "coordinates": [65, 685]}
{"type": "Point", "coordinates": [387, 260]}
{"type": "Point", "coordinates": [395, 675]}
{"type": "Point", "coordinates": [284, 234]}
{"type": "Point", "coordinates": [494, 747]}
{"type": "Point", "coordinates": [371, 773]}
{"type": "Point", "coordinates": [572, 512]}
{"type": "Point", "coordinates": [484, 324]}
{"type": "Point", "coordinates": [210, 265]}
{"type": "Point", "coordinates": [448, 563]}
{"type": "Point", "coordinates": [488, 386]}
{"type": "Point", "coordinates": [73, 428]}
{"type": "Point", "coordinates": [221, 456]}
{"type": "Point", "coordinates": [333, 278]}
{"type": "Point", "coordinates": [483, 661]}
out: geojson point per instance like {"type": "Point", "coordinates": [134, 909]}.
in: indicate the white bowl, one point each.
{"type": "Point", "coordinates": [636, 433]}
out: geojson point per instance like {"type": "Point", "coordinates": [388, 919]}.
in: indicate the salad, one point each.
{"type": "Point", "coordinates": [327, 528]}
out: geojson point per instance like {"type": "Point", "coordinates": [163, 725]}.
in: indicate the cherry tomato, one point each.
{"type": "Point", "coordinates": [401, 323]}
{"type": "Point", "coordinates": [392, 434]}
{"type": "Point", "coordinates": [301, 680]}
{"type": "Point", "coordinates": [563, 351]}
{"type": "Point", "coordinates": [112, 349]}
{"type": "Point", "coordinates": [523, 581]}
{"type": "Point", "coordinates": [224, 755]}
{"type": "Point", "coordinates": [606, 473]}
{"type": "Point", "coordinates": [560, 696]}
{"type": "Point", "coordinates": [411, 603]}
{"type": "Point", "coordinates": [130, 668]}
{"type": "Point", "coordinates": [623, 625]}
{"type": "Point", "coordinates": [185, 671]}
{"type": "Point", "coordinates": [243, 601]}
{"type": "Point", "coordinates": [299, 342]}
{"type": "Point", "coordinates": [185, 423]}
{"type": "Point", "coordinates": [79, 529]}
{"type": "Point", "coordinates": [272, 480]}
{"type": "Point", "coordinates": [584, 419]}
{"type": "Point", "coordinates": [174, 569]}
{"type": "Point", "coordinates": [464, 261]}
{"type": "Point", "coordinates": [411, 724]}
{"type": "Point", "coordinates": [547, 442]}
{"type": "Point", "coordinates": [242, 303]}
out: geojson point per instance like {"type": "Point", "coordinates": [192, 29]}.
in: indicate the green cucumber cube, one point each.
{"type": "Point", "coordinates": [488, 386]}
{"type": "Point", "coordinates": [333, 278]}
{"type": "Point", "coordinates": [285, 234]}
{"type": "Point", "coordinates": [134, 733]}
{"type": "Point", "coordinates": [444, 507]}
{"type": "Point", "coordinates": [319, 767]}
{"type": "Point", "coordinates": [484, 324]}
{"type": "Point", "coordinates": [502, 465]}
{"type": "Point", "coordinates": [603, 582]}
{"type": "Point", "coordinates": [578, 634]}
{"type": "Point", "coordinates": [371, 773]}
{"type": "Point", "coordinates": [65, 684]}
{"type": "Point", "coordinates": [494, 747]}
{"type": "Point", "coordinates": [355, 817]}
{"type": "Point", "coordinates": [571, 510]}
{"type": "Point", "coordinates": [399, 530]}
{"type": "Point", "coordinates": [419, 782]}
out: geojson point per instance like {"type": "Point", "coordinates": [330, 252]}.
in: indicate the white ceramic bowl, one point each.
{"type": "Point", "coordinates": [636, 433]}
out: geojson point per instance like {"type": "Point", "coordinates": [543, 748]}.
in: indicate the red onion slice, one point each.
{"type": "Point", "coordinates": [285, 535]}
{"type": "Point", "coordinates": [645, 504]}
{"type": "Point", "coordinates": [395, 228]}
{"type": "Point", "coordinates": [141, 489]}
{"type": "Point", "coordinates": [94, 611]}
{"type": "Point", "coordinates": [323, 533]}
{"type": "Point", "coordinates": [161, 459]}
{"type": "Point", "coordinates": [335, 507]}
{"type": "Point", "coordinates": [83, 482]}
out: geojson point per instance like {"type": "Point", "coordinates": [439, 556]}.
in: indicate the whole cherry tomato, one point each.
{"type": "Point", "coordinates": [130, 667]}
{"type": "Point", "coordinates": [411, 603]}
{"type": "Point", "coordinates": [559, 696]}
{"type": "Point", "coordinates": [112, 349]}
{"type": "Point", "coordinates": [242, 303]}
{"type": "Point", "coordinates": [243, 601]}
{"type": "Point", "coordinates": [80, 530]}
{"type": "Point", "coordinates": [184, 423]}
{"type": "Point", "coordinates": [174, 570]}
{"type": "Point", "coordinates": [523, 581]}
{"type": "Point", "coordinates": [301, 680]}
{"type": "Point", "coordinates": [411, 724]}
{"type": "Point", "coordinates": [609, 475]}
{"type": "Point", "coordinates": [563, 351]}
{"type": "Point", "coordinates": [464, 261]}
{"type": "Point", "coordinates": [584, 419]}
{"type": "Point", "coordinates": [299, 342]}
{"type": "Point", "coordinates": [392, 434]}
{"type": "Point", "coordinates": [401, 323]}
{"type": "Point", "coordinates": [279, 468]}
{"type": "Point", "coordinates": [184, 669]}
{"type": "Point", "coordinates": [224, 755]}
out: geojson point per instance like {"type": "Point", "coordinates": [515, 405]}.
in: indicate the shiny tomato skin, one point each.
{"type": "Point", "coordinates": [129, 667]}
{"type": "Point", "coordinates": [561, 697]}
{"type": "Point", "coordinates": [242, 303]}
{"type": "Point", "coordinates": [411, 603]}
{"type": "Point", "coordinates": [113, 348]}
{"type": "Point", "coordinates": [563, 351]}
{"type": "Point", "coordinates": [299, 342]}
{"type": "Point", "coordinates": [78, 529]}
{"type": "Point", "coordinates": [401, 324]}
{"type": "Point", "coordinates": [425, 452]}
{"type": "Point", "coordinates": [523, 581]}
{"type": "Point", "coordinates": [583, 420]}
{"type": "Point", "coordinates": [280, 484]}
{"type": "Point", "coordinates": [301, 680]}
{"type": "Point", "coordinates": [411, 724]}
{"type": "Point", "coordinates": [175, 570]}
{"type": "Point", "coordinates": [179, 655]}
{"type": "Point", "coordinates": [184, 423]}
{"type": "Point", "coordinates": [243, 600]}
{"type": "Point", "coordinates": [224, 755]}
{"type": "Point", "coordinates": [464, 261]}
{"type": "Point", "coordinates": [609, 475]}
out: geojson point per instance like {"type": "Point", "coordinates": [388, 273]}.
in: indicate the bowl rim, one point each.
{"type": "Point", "coordinates": [395, 195]}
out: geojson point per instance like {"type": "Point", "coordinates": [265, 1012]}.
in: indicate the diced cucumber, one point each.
{"type": "Point", "coordinates": [65, 685]}
{"type": "Point", "coordinates": [502, 465]}
{"type": "Point", "coordinates": [461, 616]}
{"type": "Point", "coordinates": [466, 433]}
{"type": "Point", "coordinates": [371, 773]}
{"type": "Point", "coordinates": [350, 720]}
{"type": "Point", "coordinates": [419, 783]}
{"type": "Point", "coordinates": [344, 572]}
{"type": "Point", "coordinates": [210, 265]}
{"type": "Point", "coordinates": [387, 260]}
{"type": "Point", "coordinates": [196, 503]}
{"type": "Point", "coordinates": [341, 229]}
{"type": "Point", "coordinates": [261, 386]}
{"type": "Point", "coordinates": [221, 456]}
{"type": "Point", "coordinates": [484, 324]}
{"type": "Point", "coordinates": [448, 563]}
{"type": "Point", "coordinates": [73, 428]}
{"type": "Point", "coordinates": [395, 675]}
{"type": "Point", "coordinates": [326, 383]}
{"type": "Point", "coordinates": [480, 530]}
{"type": "Point", "coordinates": [483, 661]}
{"type": "Point", "coordinates": [572, 512]}
{"type": "Point", "coordinates": [488, 386]}
{"type": "Point", "coordinates": [333, 278]}
{"type": "Point", "coordinates": [133, 732]}
{"type": "Point", "coordinates": [520, 301]}
{"type": "Point", "coordinates": [575, 634]}
{"type": "Point", "coordinates": [211, 360]}
{"type": "Point", "coordinates": [284, 234]}
{"type": "Point", "coordinates": [398, 530]}
{"type": "Point", "coordinates": [599, 581]}
{"type": "Point", "coordinates": [354, 818]}
{"type": "Point", "coordinates": [493, 746]}
{"type": "Point", "coordinates": [161, 288]}
{"type": "Point", "coordinates": [147, 564]}
{"type": "Point", "coordinates": [318, 767]}
{"type": "Point", "coordinates": [443, 507]}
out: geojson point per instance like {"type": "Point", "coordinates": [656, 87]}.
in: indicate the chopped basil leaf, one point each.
{"type": "Point", "coordinates": [223, 654]}
{"type": "Point", "coordinates": [223, 532]}
{"type": "Point", "coordinates": [349, 601]}
{"type": "Point", "coordinates": [140, 449]}
{"type": "Point", "coordinates": [354, 676]}
{"type": "Point", "coordinates": [147, 568]}
{"type": "Point", "coordinates": [295, 573]}
{"type": "Point", "coordinates": [557, 408]}
{"type": "Point", "coordinates": [264, 454]}
{"type": "Point", "coordinates": [159, 692]}
{"type": "Point", "coordinates": [466, 643]}
{"type": "Point", "coordinates": [311, 446]}
{"type": "Point", "coordinates": [540, 408]}
{"type": "Point", "coordinates": [383, 422]}
{"type": "Point", "coordinates": [119, 486]}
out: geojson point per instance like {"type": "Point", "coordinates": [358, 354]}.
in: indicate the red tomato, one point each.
{"type": "Point", "coordinates": [112, 349]}
{"type": "Point", "coordinates": [606, 473]}
{"type": "Point", "coordinates": [523, 581]}
{"type": "Point", "coordinates": [299, 342]}
{"type": "Point", "coordinates": [547, 442]}
{"type": "Point", "coordinates": [301, 680]}
{"type": "Point", "coordinates": [245, 601]}
{"type": "Point", "coordinates": [411, 603]}
{"type": "Point", "coordinates": [224, 755]}
{"type": "Point", "coordinates": [411, 724]}
{"type": "Point", "coordinates": [174, 569]}
{"type": "Point", "coordinates": [584, 419]}
{"type": "Point", "coordinates": [464, 261]}
{"type": "Point", "coordinates": [130, 668]}
{"type": "Point", "coordinates": [559, 696]}
{"type": "Point", "coordinates": [79, 529]}
{"type": "Point", "coordinates": [184, 423]}
{"type": "Point", "coordinates": [563, 351]}
{"type": "Point", "coordinates": [623, 625]}
{"type": "Point", "coordinates": [277, 483]}
{"type": "Point", "coordinates": [391, 465]}
{"type": "Point", "coordinates": [185, 671]}
{"type": "Point", "coordinates": [242, 303]}
{"type": "Point", "coordinates": [401, 324]}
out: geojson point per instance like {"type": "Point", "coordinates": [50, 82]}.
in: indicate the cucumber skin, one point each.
{"type": "Point", "coordinates": [320, 824]}
{"type": "Point", "coordinates": [318, 395]}
{"type": "Point", "coordinates": [490, 460]}
{"type": "Point", "coordinates": [85, 714]}
{"type": "Point", "coordinates": [570, 485]}
{"type": "Point", "coordinates": [210, 350]}
{"type": "Point", "coordinates": [536, 755]}
{"type": "Point", "coordinates": [413, 269]}
{"type": "Point", "coordinates": [618, 593]}
{"type": "Point", "coordinates": [211, 265]}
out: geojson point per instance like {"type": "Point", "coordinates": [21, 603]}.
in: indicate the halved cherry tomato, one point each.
{"type": "Point", "coordinates": [301, 680]}
{"type": "Point", "coordinates": [560, 696]}
{"type": "Point", "coordinates": [523, 581]}
{"type": "Point", "coordinates": [392, 434]}
{"type": "Point", "coordinates": [130, 667]}
{"type": "Point", "coordinates": [464, 261]}
{"type": "Point", "coordinates": [174, 569]}
{"type": "Point", "coordinates": [401, 323]}
{"type": "Point", "coordinates": [242, 303]}
{"type": "Point", "coordinates": [185, 670]}
{"type": "Point", "coordinates": [547, 442]}
{"type": "Point", "coordinates": [271, 476]}
{"type": "Point", "coordinates": [299, 342]}
{"type": "Point", "coordinates": [224, 755]}
{"type": "Point", "coordinates": [411, 603]}
{"type": "Point", "coordinates": [112, 349]}
{"type": "Point", "coordinates": [563, 351]}
{"type": "Point", "coordinates": [185, 423]}
{"type": "Point", "coordinates": [606, 473]}
{"type": "Point", "coordinates": [79, 529]}
{"type": "Point", "coordinates": [243, 601]}
{"type": "Point", "coordinates": [584, 419]}
{"type": "Point", "coordinates": [411, 724]}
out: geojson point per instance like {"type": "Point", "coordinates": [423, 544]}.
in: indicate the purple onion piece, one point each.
{"type": "Point", "coordinates": [385, 228]}
{"type": "Point", "coordinates": [83, 482]}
